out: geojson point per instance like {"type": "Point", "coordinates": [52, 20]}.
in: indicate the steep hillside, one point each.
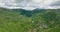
{"type": "Point", "coordinates": [47, 21]}
{"type": "Point", "coordinates": [38, 20]}
{"type": "Point", "coordinates": [13, 22]}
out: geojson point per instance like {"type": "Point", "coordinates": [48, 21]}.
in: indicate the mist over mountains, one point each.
{"type": "Point", "coordinates": [30, 13]}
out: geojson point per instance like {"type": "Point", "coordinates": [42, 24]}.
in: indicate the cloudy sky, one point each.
{"type": "Point", "coordinates": [30, 4]}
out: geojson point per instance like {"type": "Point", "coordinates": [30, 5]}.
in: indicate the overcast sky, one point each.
{"type": "Point", "coordinates": [30, 4]}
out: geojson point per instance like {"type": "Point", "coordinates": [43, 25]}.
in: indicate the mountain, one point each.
{"type": "Point", "coordinates": [37, 20]}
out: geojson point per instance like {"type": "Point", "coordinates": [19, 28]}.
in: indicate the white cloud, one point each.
{"type": "Point", "coordinates": [30, 4]}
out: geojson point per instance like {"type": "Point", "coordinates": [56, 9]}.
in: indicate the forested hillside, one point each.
{"type": "Point", "coordinates": [38, 20]}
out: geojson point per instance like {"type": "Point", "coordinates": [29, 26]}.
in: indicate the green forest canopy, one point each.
{"type": "Point", "coordinates": [29, 21]}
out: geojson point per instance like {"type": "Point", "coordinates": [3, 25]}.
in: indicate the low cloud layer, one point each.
{"type": "Point", "coordinates": [57, 3]}
{"type": "Point", "coordinates": [30, 4]}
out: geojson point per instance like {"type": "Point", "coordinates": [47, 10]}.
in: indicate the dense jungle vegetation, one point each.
{"type": "Point", "coordinates": [38, 20]}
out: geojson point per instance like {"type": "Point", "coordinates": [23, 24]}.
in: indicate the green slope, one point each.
{"type": "Point", "coordinates": [13, 22]}
{"type": "Point", "coordinates": [47, 21]}
{"type": "Point", "coordinates": [21, 21]}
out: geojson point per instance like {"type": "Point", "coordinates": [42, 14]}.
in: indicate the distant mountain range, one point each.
{"type": "Point", "coordinates": [29, 12]}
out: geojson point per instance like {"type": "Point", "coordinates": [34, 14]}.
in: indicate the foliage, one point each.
{"type": "Point", "coordinates": [29, 21]}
